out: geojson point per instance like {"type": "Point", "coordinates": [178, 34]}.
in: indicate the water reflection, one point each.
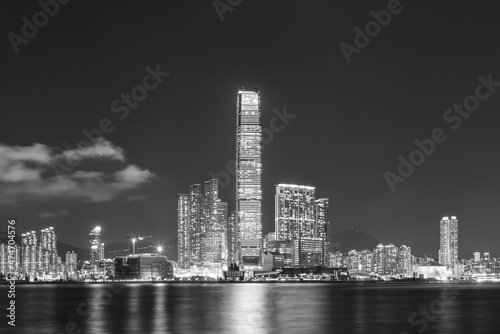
{"type": "Point", "coordinates": [251, 308]}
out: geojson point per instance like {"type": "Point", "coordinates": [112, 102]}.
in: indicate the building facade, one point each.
{"type": "Point", "coordinates": [303, 220]}
{"type": "Point", "coordinates": [202, 221]}
{"type": "Point", "coordinates": [143, 267]}
{"type": "Point", "coordinates": [71, 263]}
{"type": "Point", "coordinates": [47, 253]}
{"type": "Point", "coordinates": [448, 251]}
{"type": "Point", "coordinates": [96, 246]}
{"type": "Point", "coordinates": [29, 252]}
{"type": "Point", "coordinates": [384, 259]}
{"type": "Point", "coordinates": [249, 178]}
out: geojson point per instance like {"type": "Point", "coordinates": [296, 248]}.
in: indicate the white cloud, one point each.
{"type": "Point", "coordinates": [14, 160]}
{"type": "Point", "coordinates": [26, 174]}
{"type": "Point", "coordinates": [102, 149]}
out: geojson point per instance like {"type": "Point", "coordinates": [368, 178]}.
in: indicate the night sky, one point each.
{"type": "Point", "coordinates": [352, 120]}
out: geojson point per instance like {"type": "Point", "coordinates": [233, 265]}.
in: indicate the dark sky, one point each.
{"type": "Point", "coordinates": [352, 120]}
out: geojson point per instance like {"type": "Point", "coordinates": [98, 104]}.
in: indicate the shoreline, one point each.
{"type": "Point", "coordinates": [258, 282]}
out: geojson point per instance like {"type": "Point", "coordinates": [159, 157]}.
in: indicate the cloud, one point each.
{"type": "Point", "coordinates": [102, 149]}
{"type": "Point", "coordinates": [14, 162]}
{"type": "Point", "coordinates": [53, 214]}
{"type": "Point", "coordinates": [28, 173]}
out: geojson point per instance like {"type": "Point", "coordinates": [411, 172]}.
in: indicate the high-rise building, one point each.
{"type": "Point", "coordinates": [214, 219]}
{"type": "Point", "coordinates": [96, 247]}
{"type": "Point", "coordinates": [201, 227]}
{"type": "Point", "coordinates": [384, 259]}
{"type": "Point", "coordinates": [404, 261]}
{"type": "Point", "coordinates": [232, 235]}
{"type": "Point", "coordinates": [220, 234]}
{"type": "Point", "coordinates": [477, 256]}
{"type": "Point", "coordinates": [71, 263]}
{"type": "Point", "coordinates": [29, 252]}
{"type": "Point", "coordinates": [47, 253]}
{"type": "Point", "coordinates": [303, 220]}
{"type": "Point", "coordinates": [323, 227]}
{"type": "Point", "coordinates": [448, 251]}
{"type": "Point", "coordinates": [4, 257]}
{"type": "Point", "coordinates": [10, 260]}
{"type": "Point", "coordinates": [248, 177]}
{"type": "Point", "coordinates": [197, 226]}
{"type": "Point", "coordinates": [183, 231]}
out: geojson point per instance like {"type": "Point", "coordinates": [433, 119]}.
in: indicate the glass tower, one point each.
{"type": "Point", "coordinates": [201, 227]}
{"type": "Point", "coordinates": [95, 245]}
{"type": "Point", "coordinates": [448, 252]}
{"type": "Point", "coordinates": [304, 221]}
{"type": "Point", "coordinates": [248, 177]}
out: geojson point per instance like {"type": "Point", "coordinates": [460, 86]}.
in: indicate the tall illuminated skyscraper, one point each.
{"type": "Point", "coordinates": [29, 250]}
{"type": "Point", "coordinates": [448, 251]}
{"type": "Point", "coordinates": [183, 231]}
{"type": "Point", "coordinates": [71, 263]}
{"type": "Point", "coordinates": [248, 177]}
{"type": "Point", "coordinates": [303, 220]}
{"type": "Point", "coordinates": [96, 247]}
{"type": "Point", "coordinates": [232, 234]}
{"type": "Point", "coordinates": [201, 227]}
{"type": "Point", "coordinates": [48, 251]}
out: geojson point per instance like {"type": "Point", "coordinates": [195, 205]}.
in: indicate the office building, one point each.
{"type": "Point", "coordinates": [29, 252]}
{"type": "Point", "coordinates": [404, 261]}
{"type": "Point", "coordinates": [96, 246]}
{"type": "Point", "coordinates": [232, 235]}
{"type": "Point", "coordinates": [384, 259]}
{"type": "Point", "coordinates": [248, 178]}
{"type": "Point", "coordinates": [202, 221]}
{"type": "Point", "coordinates": [183, 231]}
{"type": "Point", "coordinates": [143, 267]}
{"type": "Point", "coordinates": [448, 251]}
{"type": "Point", "coordinates": [477, 256]}
{"type": "Point", "coordinates": [47, 252]}
{"type": "Point", "coordinates": [303, 220]}
{"type": "Point", "coordinates": [71, 263]}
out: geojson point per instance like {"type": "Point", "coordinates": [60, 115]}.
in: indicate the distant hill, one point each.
{"type": "Point", "coordinates": [352, 239]}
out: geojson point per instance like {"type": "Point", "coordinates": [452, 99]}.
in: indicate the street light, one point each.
{"type": "Point", "coordinates": [133, 243]}
{"type": "Point", "coordinates": [160, 248]}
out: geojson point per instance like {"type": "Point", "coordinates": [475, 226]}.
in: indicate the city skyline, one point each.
{"type": "Point", "coordinates": [336, 126]}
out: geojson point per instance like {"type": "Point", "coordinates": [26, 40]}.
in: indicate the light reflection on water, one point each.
{"type": "Point", "coordinates": [252, 308]}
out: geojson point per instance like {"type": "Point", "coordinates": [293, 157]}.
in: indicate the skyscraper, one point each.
{"type": "Point", "coordinates": [96, 247]}
{"type": "Point", "coordinates": [29, 247]}
{"type": "Point", "coordinates": [302, 220]}
{"type": "Point", "coordinates": [384, 259]}
{"type": "Point", "coordinates": [48, 251]}
{"type": "Point", "coordinates": [71, 263]}
{"type": "Point", "coordinates": [448, 251]}
{"type": "Point", "coordinates": [248, 177]}
{"type": "Point", "coordinates": [201, 226]}
{"type": "Point", "coordinates": [232, 234]}
{"type": "Point", "coordinates": [183, 232]}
